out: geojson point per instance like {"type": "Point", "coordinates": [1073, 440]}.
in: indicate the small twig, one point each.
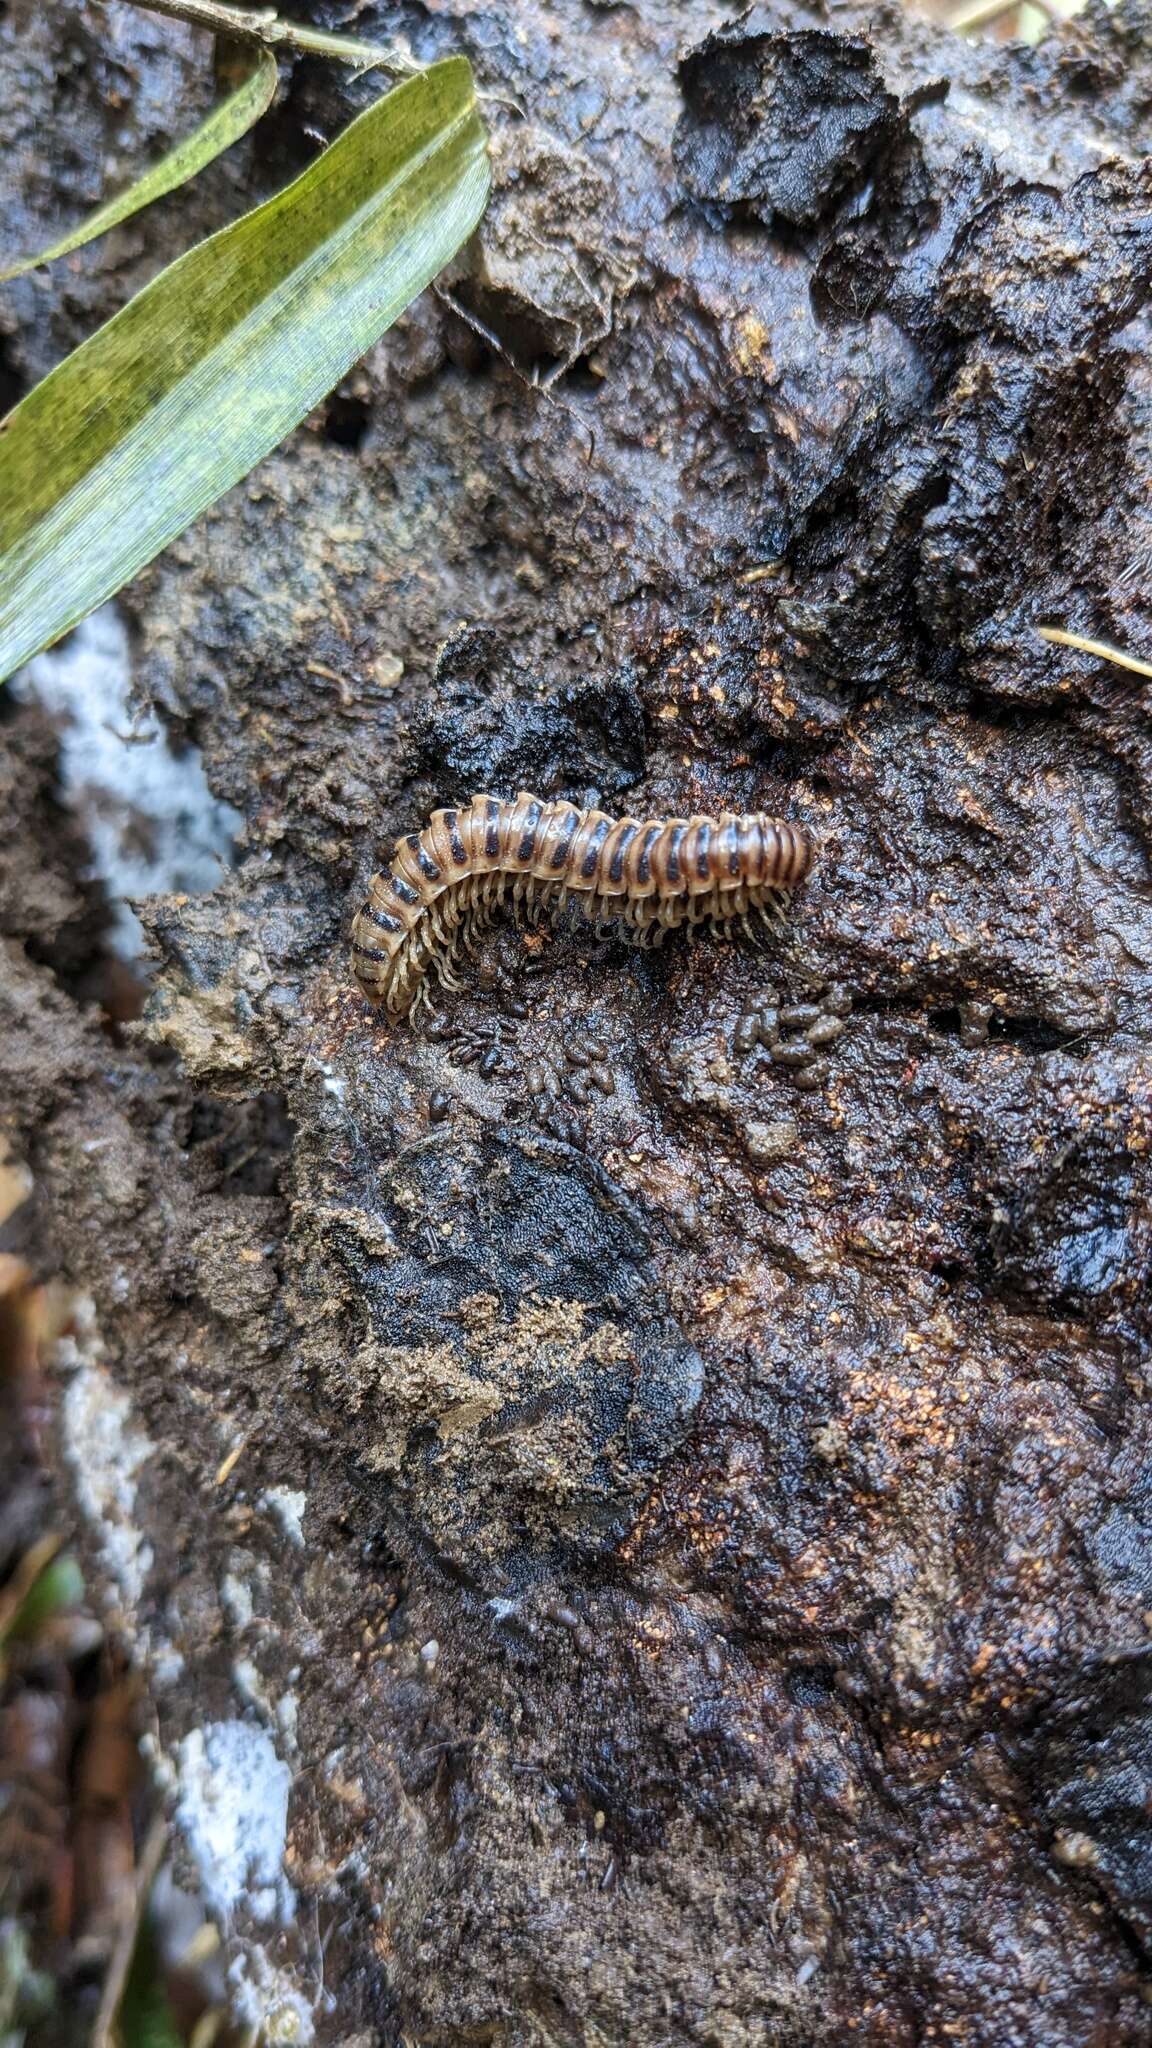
{"type": "Point", "coordinates": [266, 28]}
{"type": "Point", "coordinates": [1100, 648]}
{"type": "Point", "coordinates": [979, 15]}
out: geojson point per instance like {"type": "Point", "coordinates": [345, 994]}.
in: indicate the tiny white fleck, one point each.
{"type": "Point", "coordinates": [236, 1600]}
{"type": "Point", "coordinates": [167, 1667]}
{"type": "Point", "coordinates": [287, 1505]}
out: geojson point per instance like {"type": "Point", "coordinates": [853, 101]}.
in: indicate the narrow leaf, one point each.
{"type": "Point", "coordinates": [224, 126]}
{"type": "Point", "coordinates": [146, 2016]}
{"type": "Point", "coordinates": [215, 361]}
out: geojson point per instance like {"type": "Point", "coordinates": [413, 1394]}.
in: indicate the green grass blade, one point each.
{"type": "Point", "coordinates": [224, 126]}
{"type": "Point", "coordinates": [215, 361]}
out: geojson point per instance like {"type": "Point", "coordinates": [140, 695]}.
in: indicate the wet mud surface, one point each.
{"type": "Point", "coordinates": [717, 1606]}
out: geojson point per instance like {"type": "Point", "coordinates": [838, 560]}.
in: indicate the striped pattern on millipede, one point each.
{"type": "Point", "coordinates": [645, 876]}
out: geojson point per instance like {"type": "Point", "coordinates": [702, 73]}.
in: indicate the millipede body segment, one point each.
{"type": "Point", "coordinates": [643, 876]}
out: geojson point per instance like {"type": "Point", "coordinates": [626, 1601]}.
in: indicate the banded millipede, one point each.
{"type": "Point", "coordinates": [645, 875]}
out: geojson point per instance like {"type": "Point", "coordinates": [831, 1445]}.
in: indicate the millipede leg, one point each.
{"type": "Point", "coordinates": [773, 906]}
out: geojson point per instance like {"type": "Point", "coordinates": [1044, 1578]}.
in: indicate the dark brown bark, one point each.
{"type": "Point", "coordinates": [724, 1593]}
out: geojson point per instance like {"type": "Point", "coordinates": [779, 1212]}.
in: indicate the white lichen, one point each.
{"type": "Point", "coordinates": [106, 1450]}
{"type": "Point", "coordinates": [232, 1808]}
{"type": "Point", "coordinates": [150, 819]}
{"type": "Point", "coordinates": [268, 2002]}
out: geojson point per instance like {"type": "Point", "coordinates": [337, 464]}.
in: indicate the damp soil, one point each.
{"type": "Point", "coordinates": [691, 1498]}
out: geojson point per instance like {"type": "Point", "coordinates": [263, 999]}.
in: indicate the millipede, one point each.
{"type": "Point", "coordinates": [640, 877]}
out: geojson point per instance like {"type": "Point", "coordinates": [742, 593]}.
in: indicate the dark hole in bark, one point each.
{"type": "Point", "coordinates": [346, 421]}
{"type": "Point", "coordinates": [241, 1147]}
{"type": "Point", "coordinates": [811, 1685]}
{"type": "Point", "coordinates": [582, 377]}
{"type": "Point", "coordinates": [1031, 1034]}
